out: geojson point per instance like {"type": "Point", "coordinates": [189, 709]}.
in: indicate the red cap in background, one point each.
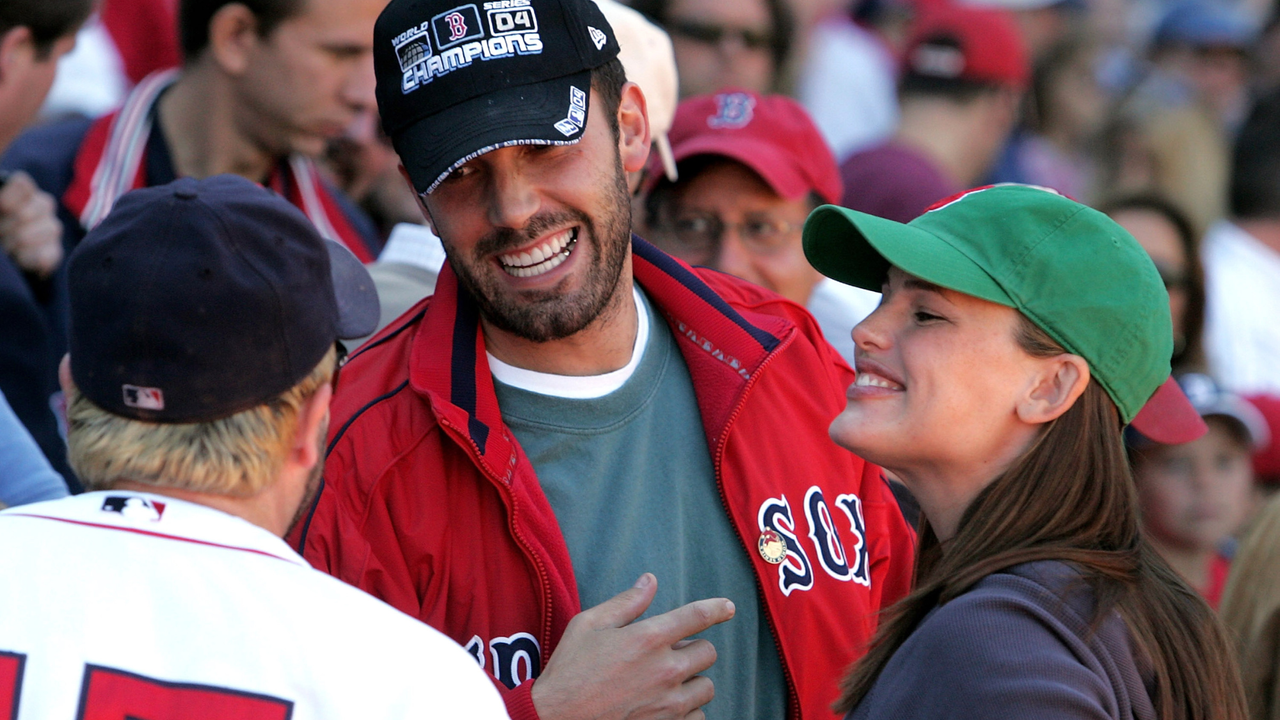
{"type": "Point", "coordinates": [771, 134]}
{"type": "Point", "coordinates": [1266, 462]}
{"type": "Point", "coordinates": [978, 45]}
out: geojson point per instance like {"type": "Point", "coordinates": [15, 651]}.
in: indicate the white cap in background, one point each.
{"type": "Point", "coordinates": [650, 62]}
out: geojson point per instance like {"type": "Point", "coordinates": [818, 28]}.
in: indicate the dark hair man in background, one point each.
{"type": "Point", "coordinates": [264, 85]}
{"type": "Point", "coordinates": [964, 71]}
{"type": "Point", "coordinates": [34, 34]}
{"type": "Point", "coordinates": [574, 409]}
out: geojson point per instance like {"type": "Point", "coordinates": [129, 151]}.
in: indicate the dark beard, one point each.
{"type": "Point", "coordinates": [548, 315]}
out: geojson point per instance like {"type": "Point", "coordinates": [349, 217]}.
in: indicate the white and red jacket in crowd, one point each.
{"type": "Point", "coordinates": [118, 153]}
{"type": "Point", "coordinates": [430, 504]}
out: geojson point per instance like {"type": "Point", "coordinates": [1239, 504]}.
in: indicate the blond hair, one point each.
{"type": "Point", "coordinates": [237, 455]}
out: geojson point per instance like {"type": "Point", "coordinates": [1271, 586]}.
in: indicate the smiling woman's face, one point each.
{"type": "Point", "coordinates": [939, 374]}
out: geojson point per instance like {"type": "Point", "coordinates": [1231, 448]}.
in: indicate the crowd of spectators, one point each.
{"type": "Point", "coordinates": [1162, 114]}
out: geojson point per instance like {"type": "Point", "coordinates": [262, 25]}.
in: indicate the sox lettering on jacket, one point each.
{"type": "Point", "coordinates": [517, 658]}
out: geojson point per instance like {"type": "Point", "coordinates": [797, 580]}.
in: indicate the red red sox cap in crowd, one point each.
{"type": "Point", "coordinates": [198, 299]}
{"type": "Point", "coordinates": [456, 80]}
{"type": "Point", "coordinates": [771, 134]}
{"type": "Point", "coordinates": [966, 44]}
{"type": "Point", "coordinates": [1266, 460]}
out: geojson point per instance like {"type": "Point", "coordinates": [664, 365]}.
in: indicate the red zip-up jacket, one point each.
{"type": "Point", "coordinates": [430, 504]}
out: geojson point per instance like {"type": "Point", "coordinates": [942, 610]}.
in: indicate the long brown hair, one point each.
{"type": "Point", "coordinates": [1071, 497]}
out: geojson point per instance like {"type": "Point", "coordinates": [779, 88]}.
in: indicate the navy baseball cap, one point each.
{"type": "Point", "coordinates": [458, 80]}
{"type": "Point", "coordinates": [199, 299]}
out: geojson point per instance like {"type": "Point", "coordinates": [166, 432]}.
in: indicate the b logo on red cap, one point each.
{"type": "Point", "coordinates": [733, 110]}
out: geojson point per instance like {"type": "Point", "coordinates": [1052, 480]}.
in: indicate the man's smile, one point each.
{"type": "Point", "coordinates": [543, 257]}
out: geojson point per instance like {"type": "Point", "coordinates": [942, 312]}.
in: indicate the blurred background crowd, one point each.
{"type": "Point", "coordinates": [1165, 114]}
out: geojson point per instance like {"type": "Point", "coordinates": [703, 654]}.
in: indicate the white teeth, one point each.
{"type": "Point", "coordinates": [543, 258]}
{"type": "Point", "coordinates": [866, 379]}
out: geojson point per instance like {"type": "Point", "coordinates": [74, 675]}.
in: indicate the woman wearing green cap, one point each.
{"type": "Point", "coordinates": [1017, 334]}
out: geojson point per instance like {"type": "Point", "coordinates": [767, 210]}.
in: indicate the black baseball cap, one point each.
{"type": "Point", "coordinates": [456, 81]}
{"type": "Point", "coordinates": [199, 299]}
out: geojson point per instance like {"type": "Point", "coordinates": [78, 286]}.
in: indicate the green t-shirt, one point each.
{"type": "Point", "coordinates": [632, 484]}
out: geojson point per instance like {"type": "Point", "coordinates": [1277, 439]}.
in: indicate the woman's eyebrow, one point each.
{"type": "Point", "coordinates": [914, 283]}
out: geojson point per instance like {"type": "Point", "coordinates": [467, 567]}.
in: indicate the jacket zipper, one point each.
{"type": "Point", "coordinates": [792, 693]}
{"type": "Point", "coordinates": [505, 491]}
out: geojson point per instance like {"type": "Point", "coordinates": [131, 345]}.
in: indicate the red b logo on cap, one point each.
{"type": "Point", "coordinates": [457, 26]}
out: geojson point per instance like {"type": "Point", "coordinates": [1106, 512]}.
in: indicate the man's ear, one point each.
{"type": "Point", "coordinates": [233, 32]}
{"type": "Point", "coordinates": [633, 128]}
{"type": "Point", "coordinates": [1057, 385]}
{"type": "Point", "coordinates": [312, 416]}
{"type": "Point", "coordinates": [64, 375]}
{"type": "Point", "coordinates": [426, 214]}
{"type": "Point", "coordinates": [14, 44]}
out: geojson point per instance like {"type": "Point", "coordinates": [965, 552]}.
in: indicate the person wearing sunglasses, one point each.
{"type": "Point", "coordinates": [725, 43]}
{"type": "Point", "coordinates": [1165, 231]}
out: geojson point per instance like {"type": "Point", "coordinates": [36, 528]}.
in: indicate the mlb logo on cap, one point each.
{"type": "Point", "coordinates": [143, 398]}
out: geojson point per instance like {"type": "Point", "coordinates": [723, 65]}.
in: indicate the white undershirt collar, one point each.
{"type": "Point", "coordinates": [578, 387]}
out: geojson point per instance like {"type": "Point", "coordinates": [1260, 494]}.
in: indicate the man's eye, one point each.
{"type": "Point", "coordinates": [694, 224]}
{"type": "Point", "coordinates": [347, 53]}
{"type": "Point", "coordinates": [925, 316]}
{"type": "Point", "coordinates": [459, 173]}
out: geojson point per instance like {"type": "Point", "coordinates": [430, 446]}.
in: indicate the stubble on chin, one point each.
{"type": "Point", "coordinates": [553, 314]}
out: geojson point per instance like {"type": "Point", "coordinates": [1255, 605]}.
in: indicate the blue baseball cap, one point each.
{"type": "Point", "coordinates": [1201, 24]}
{"type": "Point", "coordinates": [199, 299]}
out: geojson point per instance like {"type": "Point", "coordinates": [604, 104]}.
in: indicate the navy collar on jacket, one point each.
{"type": "Point", "coordinates": [722, 347]}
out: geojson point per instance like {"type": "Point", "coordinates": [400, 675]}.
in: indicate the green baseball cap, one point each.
{"type": "Point", "coordinates": [1070, 269]}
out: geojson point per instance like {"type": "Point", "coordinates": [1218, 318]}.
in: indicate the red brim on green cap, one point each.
{"type": "Point", "coordinates": [1169, 417]}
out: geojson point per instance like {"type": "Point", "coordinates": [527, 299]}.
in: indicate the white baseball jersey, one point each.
{"type": "Point", "coordinates": [118, 605]}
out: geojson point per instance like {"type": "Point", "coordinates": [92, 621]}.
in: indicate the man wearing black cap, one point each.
{"type": "Point", "coordinates": [205, 317]}
{"type": "Point", "coordinates": [573, 409]}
